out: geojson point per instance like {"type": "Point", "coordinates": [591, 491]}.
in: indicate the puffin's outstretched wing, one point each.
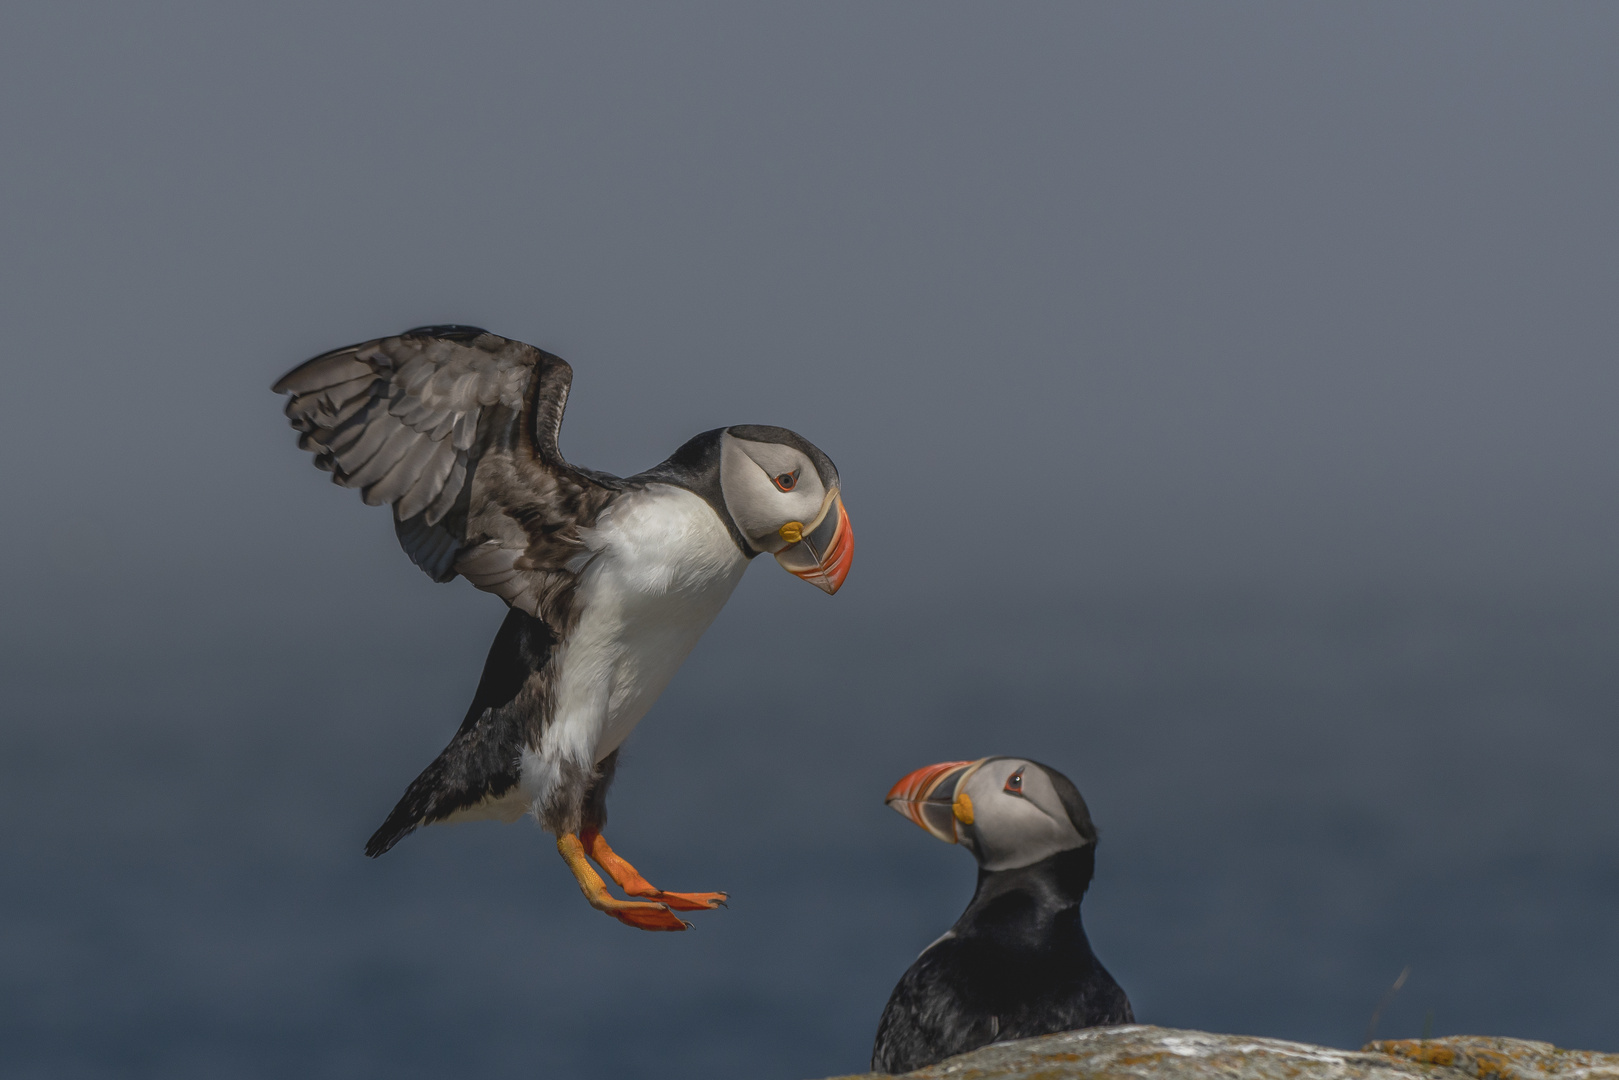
{"type": "Point", "coordinates": [456, 429]}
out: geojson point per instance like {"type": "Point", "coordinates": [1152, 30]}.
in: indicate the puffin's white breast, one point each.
{"type": "Point", "coordinates": [662, 566]}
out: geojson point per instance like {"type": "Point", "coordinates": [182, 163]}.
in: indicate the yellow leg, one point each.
{"type": "Point", "coordinates": [637, 913]}
{"type": "Point", "coordinates": [630, 880]}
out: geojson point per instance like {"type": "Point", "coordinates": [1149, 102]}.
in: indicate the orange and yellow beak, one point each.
{"type": "Point", "coordinates": [930, 798]}
{"type": "Point", "coordinates": [820, 553]}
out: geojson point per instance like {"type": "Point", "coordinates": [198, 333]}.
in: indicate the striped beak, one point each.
{"type": "Point", "coordinates": [928, 798]}
{"type": "Point", "coordinates": [823, 552]}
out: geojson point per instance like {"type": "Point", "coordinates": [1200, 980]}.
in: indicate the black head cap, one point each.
{"type": "Point", "coordinates": [1072, 801]}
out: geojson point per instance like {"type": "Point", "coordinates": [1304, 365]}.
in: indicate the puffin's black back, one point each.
{"type": "Point", "coordinates": [1016, 964]}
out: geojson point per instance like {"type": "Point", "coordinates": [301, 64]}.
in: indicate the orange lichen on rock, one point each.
{"type": "Point", "coordinates": [1423, 1051]}
{"type": "Point", "coordinates": [1492, 1058]}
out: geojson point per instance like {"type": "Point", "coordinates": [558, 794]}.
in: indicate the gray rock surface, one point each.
{"type": "Point", "coordinates": [1141, 1052]}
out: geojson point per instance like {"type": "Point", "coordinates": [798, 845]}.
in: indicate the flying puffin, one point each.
{"type": "Point", "coordinates": [610, 581]}
{"type": "Point", "coordinates": [1017, 963]}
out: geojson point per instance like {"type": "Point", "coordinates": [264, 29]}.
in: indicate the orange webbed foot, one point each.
{"type": "Point", "coordinates": [641, 914]}
{"type": "Point", "coordinates": [646, 916]}
{"type": "Point", "coordinates": [630, 880]}
{"type": "Point", "coordinates": [688, 901]}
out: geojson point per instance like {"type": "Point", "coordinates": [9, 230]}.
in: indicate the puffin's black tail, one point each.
{"type": "Point", "coordinates": [482, 761]}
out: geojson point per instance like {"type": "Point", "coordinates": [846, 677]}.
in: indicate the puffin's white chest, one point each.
{"type": "Point", "coordinates": [663, 565]}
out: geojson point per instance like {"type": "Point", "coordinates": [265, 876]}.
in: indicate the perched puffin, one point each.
{"type": "Point", "coordinates": [610, 581]}
{"type": "Point", "coordinates": [1017, 962]}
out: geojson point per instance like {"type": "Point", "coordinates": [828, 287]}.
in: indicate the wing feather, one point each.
{"type": "Point", "coordinates": [394, 445]}
{"type": "Point", "coordinates": [466, 426]}
{"type": "Point", "coordinates": [456, 429]}
{"type": "Point", "coordinates": [357, 442]}
{"type": "Point", "coordinates": [414, 375]}
{"type": "Point", "coordinates": [453, 486]}
{"type": "Point", "coordinates": [434, 472]}
{"type": "Point", "coordinates": [401, 479]}
{"type": "Point", "coordinates": [323, 371]}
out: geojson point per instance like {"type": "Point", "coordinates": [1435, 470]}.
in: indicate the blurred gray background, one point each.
{"type": "Point", "coordinates": [1225, 400]}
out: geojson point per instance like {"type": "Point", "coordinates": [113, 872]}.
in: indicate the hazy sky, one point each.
{"type": "Point", "coordinates": [1110, 295]}
{"type": "Point", "coordinates": [1275, 304]}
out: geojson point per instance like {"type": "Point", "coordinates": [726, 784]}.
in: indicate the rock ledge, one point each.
{"type": "Point", "coordinates": [1141, 1052]}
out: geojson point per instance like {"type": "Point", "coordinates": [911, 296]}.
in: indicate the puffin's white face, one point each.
{"type": "Point", "coordinates": [783, 506]}
{"type": "Point", "coordinates": [1006, 811]}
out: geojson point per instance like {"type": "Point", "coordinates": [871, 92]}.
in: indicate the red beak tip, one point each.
{"type": "Point", "coordinates": [835, 567]}
{"type": "Point", "coordinates": [918, 783]}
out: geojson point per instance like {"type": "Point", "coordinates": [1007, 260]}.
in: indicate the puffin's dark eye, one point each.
{"type": "Point", "coordinates": [1014, 783]}
{"type": "Point", "coordinates": [787, 481]}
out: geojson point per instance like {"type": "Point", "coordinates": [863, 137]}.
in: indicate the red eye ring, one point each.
{"type": "Point", "coordinates": [786, 481]}
{"type": "Point", "coordinates": [1014, 783]}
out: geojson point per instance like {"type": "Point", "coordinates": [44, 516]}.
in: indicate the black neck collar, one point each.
{"type": "Point", "coordinates": [696, 467]}
{"type": "Point", "coordinates": [1030, 899]}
